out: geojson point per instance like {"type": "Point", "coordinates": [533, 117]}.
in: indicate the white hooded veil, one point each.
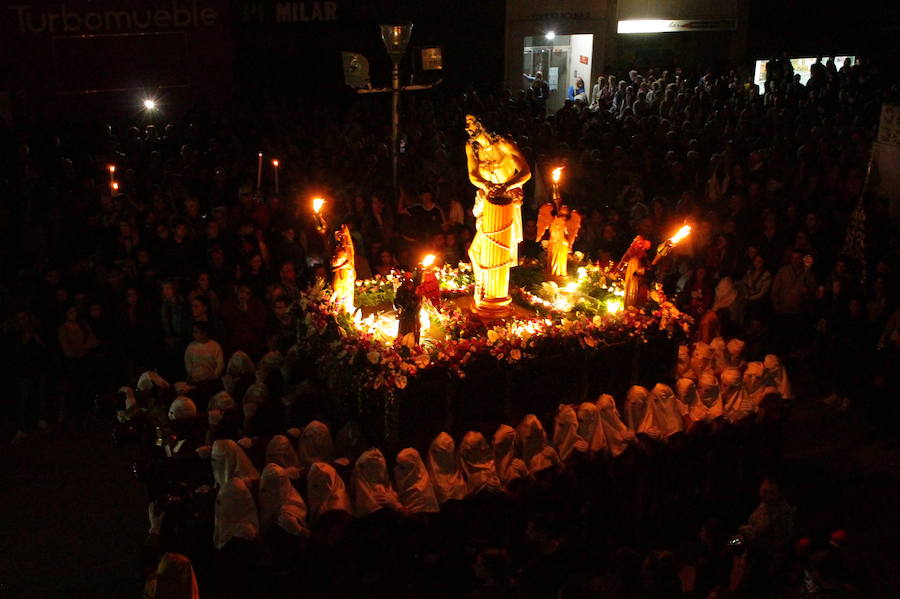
{"type": "Point", "coordinates": [444, 469]}
{"type": "Point", "coordinates": [618, 436]}
{"type": "Point", "coordinates": [235, 515]}
{"type": "Point", "coordinates": [413, 484]}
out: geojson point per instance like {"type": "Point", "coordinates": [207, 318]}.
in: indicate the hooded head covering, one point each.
{"type": "Point", "coordinates": [151, 380]}
{"type": "Point", "coordinates": [754, 382]}
{"type": "Point", "coordinates": [315, 444]}
{"type": "Point", "coordinates": [701, 358]}
{"type": "Point", "coordinates": [444, 469]}
{"type": "Point", "coordinates": [536, 452]}
{"type": "Point", "coordinates": [686, 393]}
{"type": "Point", "coordinates": [776, 376]}
{"type": "Point", "coordinates": [130, 399]}
{"type": "Point", "coordinates": [719, 355]}
{"type": "Point", "coordinates": [506, 461]}
{"type": "Point", "coordinates": [181, 408]}
{"type": "Point", "coordinates": [735, 400]}
{"type": "Point", "coordinates": [725, 295]}
{"type": "Point", "coordinates": [413, 484]}
{"type": "Point", "coordinates": [565, 432]}
{"type": "Point", "coordinates": [257, 393]}
{"type": "Point", "coordinates": [589, 427]}
{"type": "Point", "coordinates": [280, 451]}
{"type": "Point", "coordinates": [239, 365]}
{"type": "Point", "coordinates": [661, 419]}
{"type": "Point", "coordinates": [279, 501]}
{"type": "Point", "coordinates": [269, 363]}
{"type": "Point", "coordinates": [174, 579]}
{"type": "Point", "coordinates": [683, 367]}
{"type": "Point", "coordinates": [736, 353]}
{"type": "Point", "coordinates": [221, 401]}
{"type": "Point", "coordinates": [709, 407]}
{"type": "Point", "coordinates": [476, 459]}
{"type": "Point", "coordinates": [635, 406]}
{"type": "Point", "coordinates": [371, 484]}
{"type": "Point", "coordinates": [229, 461]}
{"type": "Point", "coordinates": [326, 491]}
{"type": "Point", "coordinates": [617, 435]}
{"type": "Point", "coordinates": [235, 514]}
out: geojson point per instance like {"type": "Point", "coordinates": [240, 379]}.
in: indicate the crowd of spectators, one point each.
{"type": "Point", "coordinates": [185, 262]}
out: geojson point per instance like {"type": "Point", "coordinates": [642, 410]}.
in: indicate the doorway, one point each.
{"type": "Point", "coordinates": [561, 59]}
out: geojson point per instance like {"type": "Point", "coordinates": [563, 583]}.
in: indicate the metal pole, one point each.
{"type": "Point", "coordinates": [395, 126]}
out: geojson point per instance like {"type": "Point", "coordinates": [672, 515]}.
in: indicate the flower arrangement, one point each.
{"type": "Point", "coordinates": [357, 349]}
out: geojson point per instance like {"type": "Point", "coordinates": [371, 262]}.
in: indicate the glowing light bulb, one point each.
{"type": "Point", "coordinates": [149, 104]}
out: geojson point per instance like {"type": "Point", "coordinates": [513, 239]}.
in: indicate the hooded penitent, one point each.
{"type": "Point", "coordinates": [736, 353]}
{"type": "Point", "coordinates": [444, 469]}
{"type": "Point", "coordinates": [709, 407]}
{"type": "Point", "coordinates": [635, 406]}
{"type": "Point", "coordinates": [279, 501]}
{"type": "Point", "coordinates": [735, 400]}
{"type": "Point", "coordinates": [221, 401]}
{"type": "Point", "coordinates": [280, 451]}
{"type": "Point", "coordinates": [174, 579]}
{"type": "Point", "coordinates": [776, 376]}
{"type": "Point", "coordinates": [565, 432]}
{"type": "Point", "coordinates": [536, 452]}
{"type": "Point", "coordinates": [506, 458]}
{"type": "Point", "coordinates": [476, 459]}
{"type": "Point", "coordinates": [239, 366]}
{"type": "Point", "coordinates": [686, 394]}
{"type": "Point", "coordinates": [661, 419]}
{"type": "Point", "coordinates": [617, 435]}
{"type": "Point", "coordinates": [315, 444]}
{"type": "Point", "coordinates": [372, 489]}
{"type": "Point", "coordinates": [590, 428]}
{"type": "Point", "coordinates": [701, 358]}
{"type": "Point", "coordinates": [151, 380]}
{"type": "Point", "coordinates": [267, 364]}
{"type": "Point", "coordinates": [326, 491]}
{"type": "Point", "coordinates": [182, 408]}
{"type": "Point", "coordinates": [683, 366]}
{"type": "Point", "coordinates": [236, 515]}
{"type": "Point", "coordinates": [413, 484]}
{"type": "Point", "coordinates": [719, 360]}
{"type": "Point", "coordinates": [229, 461]}
{"type": "Point", "coordinates": [754, 383]}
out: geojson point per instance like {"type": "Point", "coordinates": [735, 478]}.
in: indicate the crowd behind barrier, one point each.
{"type": "Point", "coordinates": [184, 264]}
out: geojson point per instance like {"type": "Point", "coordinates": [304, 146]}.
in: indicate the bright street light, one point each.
{"type": "Point", "coordinates": [149, 104]}
{"type": "Point", "coordinates": [550, 35]}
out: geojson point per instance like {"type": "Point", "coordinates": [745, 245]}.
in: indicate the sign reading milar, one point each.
{"type": "Point", "coordinates": [305, 12]}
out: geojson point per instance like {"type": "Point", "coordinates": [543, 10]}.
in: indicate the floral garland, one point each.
{"type": "Point", "coordinates": [345, 347]}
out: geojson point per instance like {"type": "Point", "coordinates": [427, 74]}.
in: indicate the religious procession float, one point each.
{"type": "Point", "coordinates": [460, 347]}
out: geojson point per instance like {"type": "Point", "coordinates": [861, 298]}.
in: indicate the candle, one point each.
{"type": "Point", "coordinates": [321, 225]}
{"type": "Point", "coordinates": [556, 176]}
{"type": "Point", "coordinates": [259, 172]}
{"type": "Point", "coordinates": [114, 185]}
{"type": "Point", "coordinates": [275, 166]}
{"type": "Point", "coordinates": [428, 260]}
{"type": "Point", "coordinates": [317, 205]}
{"type": "Point", "coordinates": [112, 173]}
{"type": "Point", "coordinates": [681, 234]}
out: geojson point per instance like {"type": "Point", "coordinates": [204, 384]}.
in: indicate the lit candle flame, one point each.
{"type": "Point", "coordinates": [112, 168]}
{"type": "Point", "coordinates": [115, 186]}
{"type": "Point", "coordinates": [275, 163]}
{"type": "Point", "coordinates": [681, 234]}
{"type": "Point", "coordinates": [317, 204]}
{"type": "Point", "coordinates": [613, 306]}
{"type": "Point", "coordinates": [557, 173]}
{"type": "Point", "coordinates": [571, 287]}
{"type": "Point", "coordinates": [428, 260]}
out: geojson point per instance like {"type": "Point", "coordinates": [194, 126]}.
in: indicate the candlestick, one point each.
{"type": "Point", "coordinates": [275, 166]}
{"type": "Point", "coordinates": [112, 173]}
{"type": "Point", "coordinates": [321, 225]}
{"type": "Point", "coordinates": [556, 176]}
{"type": "Point", "coordinates": [259, 172]}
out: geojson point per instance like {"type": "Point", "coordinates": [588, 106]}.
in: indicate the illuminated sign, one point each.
{"type": "Point", "coordinates": [676, 25]}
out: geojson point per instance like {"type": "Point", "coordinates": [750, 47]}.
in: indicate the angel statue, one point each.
{"type": "Point", "coordinates": [343, 270]}
{"type": "Point", "coordinates": [499, 170]}
{"type": "Point", "coordinates": [563, 224]}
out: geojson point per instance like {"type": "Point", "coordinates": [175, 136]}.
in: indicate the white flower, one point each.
{"type": "Point", "coordinates": [374, 357]}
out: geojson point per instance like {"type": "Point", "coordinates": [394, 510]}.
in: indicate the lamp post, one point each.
{"type": "Point", "coordinates": [396, 39]}
{"type": "Point", "coordinates": [356, 74]}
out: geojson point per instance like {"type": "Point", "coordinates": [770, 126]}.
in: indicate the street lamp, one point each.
{"type": "Point", "coordinates": [396, 39]}
{"type": "Point", "coordinates": [356, 74]}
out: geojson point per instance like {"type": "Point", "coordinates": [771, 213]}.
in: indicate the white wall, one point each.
{"type": "Point", "coordinates": [580, 45]}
